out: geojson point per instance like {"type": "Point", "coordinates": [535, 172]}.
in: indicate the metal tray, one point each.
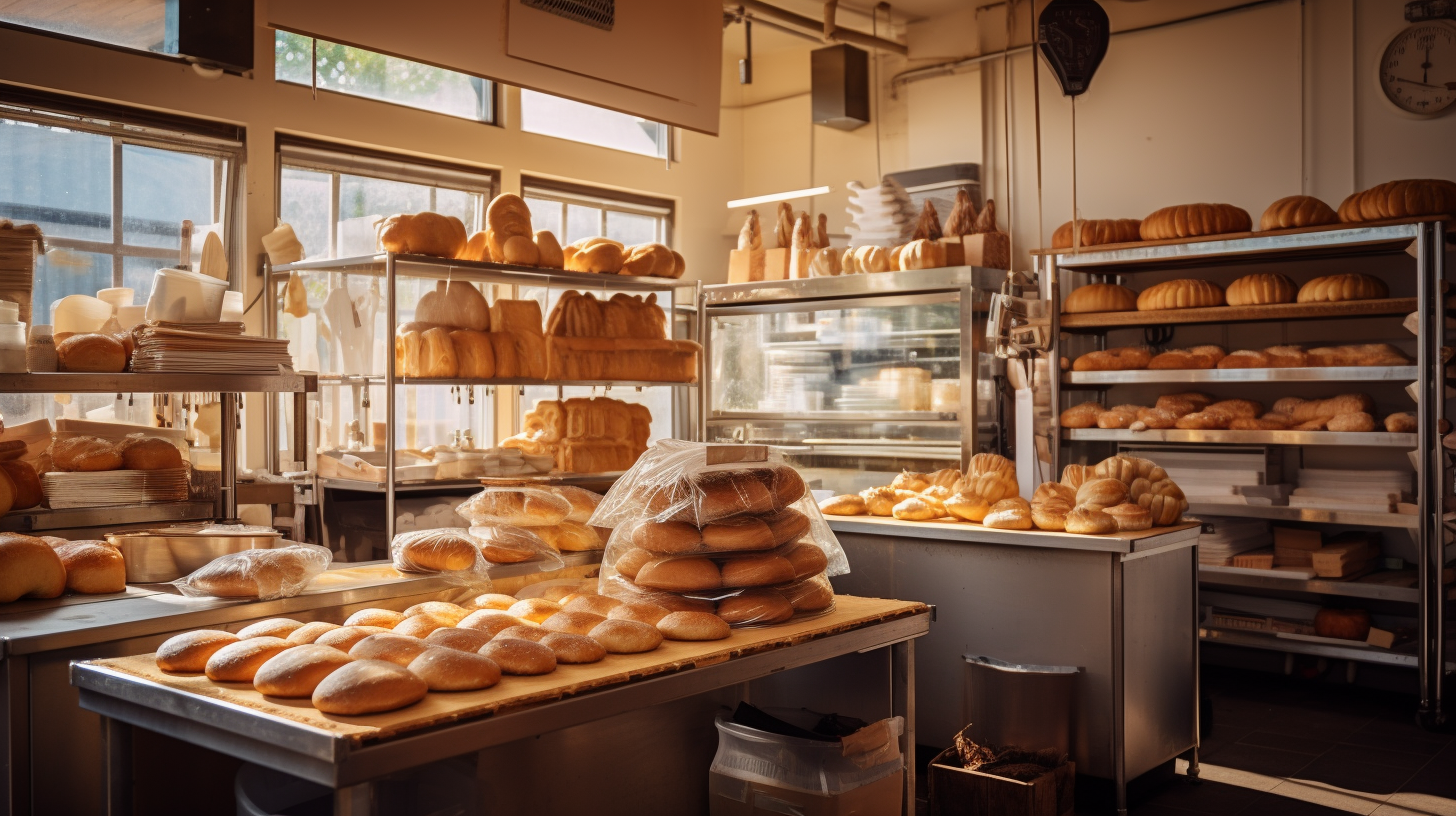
{"type": "Point", "coordinates": [156, 556]}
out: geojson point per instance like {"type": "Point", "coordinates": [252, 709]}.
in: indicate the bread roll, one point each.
{"type": "Point", "coordinates": [631, 562]}
{"type": "Point", "coordinates": [440, 609]}
{"type": "Point", "coordinates": [640, 611]}
{"type": "Point", "coordinates": [1334, 288]}
{"type": "Point", "coordinates": [626, 636]}
{"type": "Point", "coordinates": [469, 640]}
{"type": "Point", "coordinates": [238, 662]}
{"type": "Point", "coordinates": [1180, 294]}
{"type": "Point", "coordinates": [1130, 517]}
{"type": "Point", "coordinates": [1050, 513]}
{"type": "Point", "coordinates": [755, 606]}
{"type": "Point", "coordinates": [576, 623]}
{"type": "Point", "coordinates": [915, 509]}
{"type": "Point", "coordinates": [1204, 421]}
{"type": "Point", "coordinates": [392, 647]}
{"type": "Point", "coordinates": [489, 621]}
{"type": "Point", "coordinates": [648, 260]}
{"type": "Point", "coordinates": [520, 657]}
{"type": "Point", "coordinates": [92, 353]}
{"type": "Point", "coordinates": [843, 506]}
{"type": "Point", "coordinates": [1353, 422]}
{"type": "Point", "coordinates": [1193, 220]}
{"type": "Point", "coordinates": [811, 595]}
{"type": "Point", "coordinates": [535, 610]}
{"type": "Point", "coordinates": [188, 652]}
{"type": "Point", "coordinates": [787, 525]}
{"type": "Point", "coordinates": [1099, 493]}
{"type": "Point", "coordinates": [1083, 415]}
{"type": "Point", "coordinates": [92, 567]}
{"type": "Point", "coordinates": [494, 600]}
{"type": "Point", "coordinates": [1088, 520]}
{"type": "Point", "coordinates": [1402, 422]}
{"type": "Point", "coordinates": [271, 627]}
{"type": "Point", "coordinates": [384, 618]}
{"type": "Point", "coordinates": [296, 672]}
{"type": "Point", "coordinates": [757, 570]}
{"type": "Point", "coordinates": [1297, 211]}
{"type": "Point", "coordinates": [426, 233]}
{"type": "Point", "coordinates": [310, 632]}
{"type": "Point", "coordinates": [28, 489]}
{"type": "Point", "coordinates": [454, 670]}
{"type": "Point", "coordinates": [526, 507]}
{"type": "Point", "coordinates": [1009, 514]}
{"type": "Point", "coordinates": [150, 454]}
{"type": "Point", "coordinates": [256, 573]}
{"type": "Point", "coordinates": [1097, 232]}
{"type": "Point", "coordinates": [573, 649]}
{"type": "Point", "coordinates": [968, 507]}
{"type": "Point", "coordinates": [680, 574]}
{"type": "Point", "coordinates": [85, 454]}
{"type": "Point", "coordinates": [595, 604]}
{"type": "Point", "coordinates": [1404, 198]}
{"type": "Point", "coordinates": [603, 257]}
{"type": "Point", "coordinates": [1100, 297]}
{"type": "Point", "coordinates": [345, 637]}
{"type": "Point", "coordinates": [807, 559]}
{"type": "Point", "coordinates": [693, 626]}
{"type": "Point", "coordinates": [368, 687]}
{"type": "Point", "coordinates": [548, 251]}
{"type": "Point", "coordinates": [443, 550]}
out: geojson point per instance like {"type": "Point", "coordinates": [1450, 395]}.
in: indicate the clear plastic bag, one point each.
{"type": "Point", "coordinates": [281, 572]}
{"type": "Point", "coordinates": [509, 544]}
{"type": "Point", "coordinates": [449, 552]}
{"type": "Point", "coordinates": [583, 502]}
{"type": "Point", "coordinates": [519, 506]}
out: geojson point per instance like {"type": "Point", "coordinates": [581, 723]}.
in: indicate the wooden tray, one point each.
{"type": "Point", "coordinates": [1235, 236]}
{"type": "Point", "coordinates": [515, 692]}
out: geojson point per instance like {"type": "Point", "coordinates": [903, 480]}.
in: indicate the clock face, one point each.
{"type": "Point", "coordinates": [1418, 71]}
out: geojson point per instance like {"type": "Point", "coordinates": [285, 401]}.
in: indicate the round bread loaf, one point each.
{"type": "Point", "coordinates": [811, 595]}
{"type": "Point", "coordinates": [489, 621]}
{"type": "Point", "coordinates": [92, 567]}
{"type": "Point", "coordinates": [681, 574]}
{"type": "Point", "coordinates": [1350, 286]}
{"type": "Point", "coordinates": [534, 609]}
{"type": "Point", "coordinates": [1099, 493]}
{"type": "Point", "coordinates": [1193, 220]}
{"type": "Point", "coordinates": [446, 550]}
{"type": "Point", "coordinates": [520, 657]}
{"type": "Point", "coordinates": [570, 648]}
{"type": "Point", "coordinates": [631, 562]}
{"type": "Point", "coordinates": [455, 670]}
{"type": "Point", "coordinates": [595, 604]}
{"type": "Point", "coordinates": [421, 625]}
{"type": "Point", "coordinates": [393, 648]}
{"type": "Point", "coordinates": [85, 454]}
{"type": "Point", "coordinates": [384, 618]}
{"type": "Point", "coordinates": [1100, 297]}
{"type": "Point", "coordinates": [807, 559]}
{"type": "Point", "coordinates": [1099, 231]}
{"type": "Point", "coordinates": [693, 626]}
{"type": "Point", "coordinates": [738, 534]}
{"type": "Point", "coordinates": [576, 623]}
{"type": "Point", "coordinates": [1130, 517]}
{"type": "Point", "coordinates": [495, 600]}
{"type": "Point", "coordinates": [28, 489]}
{"type": "Point", "coordinates": [753, 606]}
{"type": "Point", "coordinates": [756, 570]}
{"type": "Point", "coordinates": [92, 353]}
{"type": "Point", "coordinates": [1087, 520]}
{"type": "Point", "coordinates": [625, 636]}
{"type": "Point", "coordinates": [850, 505]}
{"type": "Point", "coordinates": [345, 637]}
{"type": "Point", "coordinates": [1261, 288]}
{"type": "Point", "coordinates": [188, 652]}
{"type": "Point", "coordinates": [238, 662]}
{"type": "Point", "coordinates": [1403, 198]}
{"type": "Point", "coordinates": [297, 672]}
{"type": "Point", "coordinates": [1297, 211]}
{"type": "Point", "coordinates": [368, 687]}
{"type": "Point", "coordinates": [640, 611]}
{"type": "Point", "coordinates": [271, 627]}
{"type": "Point", "coordinates": [1180, 294]}
{"type": "Point", "coordinates": [440, 609]}
{"type": "Point", "coordinates": [465, 640]}
{"type": "Point", "coordinates": [150, 453]}
{"type": "Point", "coordinates": [522, 631]}
{"type": "Point", "coordinates": [310, 632]}
{"type": "Point", "coordinates": [787, 525]}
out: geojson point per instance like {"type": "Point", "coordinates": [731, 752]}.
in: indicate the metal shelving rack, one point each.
{"type": "Point", "coordinates": [1426, 239]}
{"type": "Point", "coordinates": [390, 267]}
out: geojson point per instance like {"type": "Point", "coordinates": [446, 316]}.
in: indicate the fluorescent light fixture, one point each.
{"type": "Point", "coordinates": [764, 199]}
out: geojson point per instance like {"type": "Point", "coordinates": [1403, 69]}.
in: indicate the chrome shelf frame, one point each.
{"type": "Point", "coordinates": [1308, 515]}
{"type": "Point", "coordinates": [917, 417]}
{"type": "Point", "coordinates": [1373, 439]}
{"type": "Point", "coordinates": [129, 382]}
{"type": "Point", "coordinates": [1408, 373]}
{"type": "Point", "coordinates": [1316, 586]}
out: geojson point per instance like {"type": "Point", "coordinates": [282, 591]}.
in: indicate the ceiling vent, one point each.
{"type": "Point", "coordinates": [595, 13]}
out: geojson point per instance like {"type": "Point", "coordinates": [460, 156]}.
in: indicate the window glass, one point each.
{"type": "Point", "coordinates": [304, 205]}
{"type": "Point", "coordinates": [59, 179]}
{"type": "Point", "coordinates": [139, 24]}
{"type": "Point", "coordinates": [61, 272]}
{"type": "Point", "coordinates": [354, 71]}
{"type": "Point", "coordinates": [137, 274]}
{"type": "Point", "coordinates": [546, 215]}
{"type": "Point", "coordinates": [159, 190]}
{"type": "Point", "coordinates": [631, 228]}
{"type": "Point", "coordinates": [582, 222]}
{"type": "Point", "coordinates": [567, 119]}
{"type": "Point", "coordinates": [458, 203]}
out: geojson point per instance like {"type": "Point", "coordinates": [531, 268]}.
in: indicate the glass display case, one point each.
{"type": "Point", "coordinates": [858, 377]}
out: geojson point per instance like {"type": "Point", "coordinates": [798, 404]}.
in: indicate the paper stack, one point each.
{"type": "Point", "coordinates": [1363, 491]}
{"type": "Point", "coordinates": [1221, 540]}
{"type": "Point", "coordinates": [1218, 477]}
{"type": "Point", "coordinates": [212, 348]}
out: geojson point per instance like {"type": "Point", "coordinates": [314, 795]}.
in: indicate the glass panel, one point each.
{"type": "Point", "coordinates": [138, 273]}
{"type": "Point", "coordinates": [304, 205]}
{"type": "Point", "coordinates": [376, 76]}
{"type": "Point", "coordinates": [566, 119]}
{"type": "Point", "coordinates": [631, 228]}
{"type": "Point", "coordinates": [582, 222]}
{"type": "Point", "coordinates": [546, 215]}
{"type": "Point", "coordinates": [59, 179]}
{"type": "Point", "coordinates": [160, 189]}
{"type": "Point", "coordinates": [291, 55]}
{"type": "Point", "coordinates": [139, 24]}
{"type": "Point", "coordinates": [364, 200]}
{"type": "Point", "coordinates": [460, 204]}
{"type": "Point", "coordinates": [61, 272]}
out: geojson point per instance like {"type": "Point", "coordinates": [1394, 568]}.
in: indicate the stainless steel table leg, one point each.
{"type": "Point", "coordinates": [902, 690]}
{"type": "Point", "coordinates": [116, 770]}
{"type": "Point", "coordinates": [355, 800]}
{"type": "Point", "coordinates": [1197, 677]}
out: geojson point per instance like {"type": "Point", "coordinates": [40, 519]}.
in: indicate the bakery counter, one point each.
{"type": "Point", "coordinates": [1122, 608]}
{"type": "Point", "coordinates": [656, 706]}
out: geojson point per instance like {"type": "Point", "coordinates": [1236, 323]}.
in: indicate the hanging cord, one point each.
{"type": "Point", "coordinates": [875, 83]}
{"type": "Point", "coordinates": [1006, 130]}
{"type": "Point", "coordinates": [1076, 227]}
{"type": "Point", "coordinates": [1036, 99]}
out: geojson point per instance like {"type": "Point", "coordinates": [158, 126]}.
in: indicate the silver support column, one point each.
{"type": "Point", "coordinates": [116, 745]}
{"type": "Point", "coordinates": [1430, 263]}
{"type": "Point", "coordinates": [970, 427]}
{"type": "Point", "coordinates": [227, 491]}
{"type": "Point", "coordinates": [1052, 294]}
{"type": "Point", "coordinates": [391, 317]}
{"type": "Point", "coordinates": [902, 693]}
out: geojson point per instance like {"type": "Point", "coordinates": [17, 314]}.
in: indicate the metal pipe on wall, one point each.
{"type": "Point", "coordinates": [760, 11]}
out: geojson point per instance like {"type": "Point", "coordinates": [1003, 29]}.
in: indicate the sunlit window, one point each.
{"type": "Point", "coordinates": [573, 212]}
{"type": "Point", "coordinates": [565, 119]}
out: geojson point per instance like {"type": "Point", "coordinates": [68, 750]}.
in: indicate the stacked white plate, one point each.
{"type": "Point", "coordinates": [864, 398]}
{"type": "Point", "coordinates": [112, 487]}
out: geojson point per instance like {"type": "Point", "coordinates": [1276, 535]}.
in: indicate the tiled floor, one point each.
{"type": "Point", "coordinates": [1288, 747]}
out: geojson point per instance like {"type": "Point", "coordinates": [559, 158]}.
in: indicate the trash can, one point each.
{"type": "Point", "coordinates": [261, 792]}
{"type": "Point", "coordinates": [1019, 704]}
{"type": "Point", "coordinates": [444, 788]}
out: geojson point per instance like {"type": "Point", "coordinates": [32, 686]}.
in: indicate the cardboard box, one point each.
{"type": "Point", "coordinates": [1295, 538]}
{"type": "Point", "coordinates": [776, 263]}
{"type": "Point", "coordinates": [955, 791]}
{"type": "Point", "coordinates": [988, 249]}
{"type": "Point", "coordinates": [730, 796]}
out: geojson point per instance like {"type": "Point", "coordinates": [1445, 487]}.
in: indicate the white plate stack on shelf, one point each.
{"type": "Point", "coordinates": [211, 348]}
{"type": "Point", "coordinates": [1358, 491]}
{"type": "Point", "coordinates": [1221, 539]}
{"type": "Point", "coordinates": [113, 487]}
{"type": "Point", "coordinates": [864, 398]}
{"type": "Point", "coordinates": [1220, 477]}
{"type": "Point", "coordinates": [882, 215]}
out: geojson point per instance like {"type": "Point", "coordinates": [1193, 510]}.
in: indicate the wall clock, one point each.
{"type": "Point", "coordinates": [1418, 69]}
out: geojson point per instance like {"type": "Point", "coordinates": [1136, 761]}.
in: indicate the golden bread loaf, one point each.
{"type": "Point", "coordinates": [92, 567]}
{"type": "Point", "coordinates": [149, 453]}
{"type": "Point", "coordinates": [296, 672]}
{"type": "Point", "coordinates": [85, 453]}
{"type": "Point", "coordinates": [1297, 211]}
{"type": "Point", "coordinates": [1100, 297]}
{"type": "Point", "coordinates": [345, 637]}
{"type": "Point", "coordinates": [755, 606]}
{"type": "Point", "coordinates": [270, 627]}
{"type": "Point", "coordinates": [1180, 294]}
{"type": "Point", "coordinates": [693, 626]}
{"type": "Point", "coordinates": [1194, 220]}
{"type": "Point", "coordinates": [1096, 232]}
{"type": "Point", "coordinates": [1090, 520]}
{"type": "Point", "coordinates": [506, 217]}
{"type": "Point", "coordinates": [649, 260]}
{"type": "Point", "coordinates": [310, 632]}
{"type": "Point", "coordinates": [384, 618]}
{"type": "Point", "coordinates": [1405, 198]}
{"type": "Point", "coordinates": [239, 662]}
{"type": "Point", "coordinates": [1350, 286]}
{"type": "Point", "coordinates": [26, 483]}
{"type": "Point", "coordinates": [1009, 514]}
{"type": "Point", "coordinates": [1261, 288]}
{"type": "Point", "coordinates": [91, 352]}
{"type": "Point", "coordinates": [626, 636]}
{"type": "Point", "coordinates": [454, 670]}
{"type": "Point", "coordinates": [188, 652]}
{"type": "Point", "coordinates": [368, 687]}
{"type": "Point", "coordinates": [389, 647]}
{"type": "Point", "coordinates": [426, 233]}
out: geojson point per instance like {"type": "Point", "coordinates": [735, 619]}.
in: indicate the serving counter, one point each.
{"type": "Point", "coordinates": [1122, 608]}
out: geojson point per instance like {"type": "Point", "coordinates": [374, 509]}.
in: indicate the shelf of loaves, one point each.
{"type": "Point", "coordinates": [1373, 439]}
{"type": "Point", "coordinates": [426, 266]}
{"type": "Point", "coordinates": [154, 383]}
{"type": "Point", "coordinates": [1237, 375]}
{"type": "Point", "coordinates": [1238, 314]}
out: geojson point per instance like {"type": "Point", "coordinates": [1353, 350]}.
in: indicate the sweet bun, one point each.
{"type": "Point", "coordinates": [843, 506]}
{"type": "Point", "coordinates": [967, 506]}
{"type": "Point", "coordinates": [1130, 517]}
{"type": "Point", "coordinates": [520, 657]}
{"type": "Point", "coordinates": [445, 669]}
{"type": "Point", "coordinates": [534, 609]}
{"type": "Point", "coordinates": [667, 537]}
{"type": "Point", "coordinates": [368, 687]}
{"type": "Point", "coordinates": [640, 611]}
{"type": "Point", "coordinates": [575, 623]}
{"type": "Point", "coordinates": [755, 606]}
{"type": "Point", "coordinates": [1099, 493]}
{"type": "Point", "coordinates": [92, 567]}
{"type": "Point", "coordinates": [571, 648]}
{"type": "Point", "coordinates": [426, 233]}
{"type": "Point", "coordinates": [495, 600]}
{"type": "Point", "coordinates": [1050, 514]}
{"type": "Point", "coordinates": [523, 631]}
{"type": "Point", "coordinates": [1009, 514]}
{"type": "Point", "coordinates": [393, 648]}
{"type": "Point", "coordinates": [421, 625]}
{"type": "Point", "coordinates": [188, 652]}
{"type": "Point", "coordinates": [625, 636]}
{"type": "Point", "coordinates": [595, 604]}
{"type": "Point", "coordinates": [384, 618]}
{"type": "Point", "coordinates": [271, 627]}
{"type": "Point", "coordinates": [488, 621]}
{"type": "Point", "coordinates": [1402, 422]}
{"type": "Point", "coordinates": [345, 637]}
{"type": "Point", "coordinates": [297, 672]}
{"type": "Point", "coordinates": [238, 662]}
{"type": "Point", "coordinates": [757, 570]}
{"type": "Point", "coordinates": [310, 632]}
{"type": "Point", "coordinates": [807, 559]}
{"type": "Point", "coordinates": [1087, 520]}
{"type": "Point", "coordinates": [681, 574]}
{"type": "Point", "coordinates": [915, 508]}
{"type": "Point", "coordinates": [465, 640]}
{"type": "Point", "coordinates": [440, 609]}
{"type": "Point", "coordinates": [693, 626]}
{"type": "Point", "coordinates": [631, 562]}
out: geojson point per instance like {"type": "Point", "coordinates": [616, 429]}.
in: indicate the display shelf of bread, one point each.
{"type": "Point", "coordinates": [1346, 419]}
{"type": "Point", "coordinates": [1212, 363]}
{"type": "Point", "coordinates": [585, 434]}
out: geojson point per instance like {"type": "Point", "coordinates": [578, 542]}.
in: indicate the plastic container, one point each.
{"type": "Point", "coordinates": [180, 296]}
{"type": "Point", "coordinates": [232, 307]}
{"type": "Point", "coordinates": [80, 314]}
{"type": "Point", "coordinates": [117, 296]}
{"type": "Point", "coordinates": [130, 316]}
{"type": "Point", "coordinates": [40, 351]}
{"type": "Point", "coordinates": [1019, 704]}
{"type": "Point", "coordinates": [813, 766]}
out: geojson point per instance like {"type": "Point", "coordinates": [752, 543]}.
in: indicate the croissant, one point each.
{"type": "Point", "coordinates": [962, 218]}
{"type": "Point", "coordinates": [751, 235]}
{"type": "Point", "coordinates": [928, 227]}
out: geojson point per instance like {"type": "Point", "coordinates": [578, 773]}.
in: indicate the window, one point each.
{"type": "Point", "coordinates": [354, 71]}
{"type": "Point", "coordinates": [110, 197]}
{"type": "Point", "coordinates": [573, 212]}
{"type": "Point", "coordinates": [565, 119]}
{"type": "Point", "coordinates": [140, 24]}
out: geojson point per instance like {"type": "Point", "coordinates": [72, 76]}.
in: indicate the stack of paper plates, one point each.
{"type": "Point", "coordinates": [110, 487]}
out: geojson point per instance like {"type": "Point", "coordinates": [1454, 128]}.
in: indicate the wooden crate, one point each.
{"type": "Point", "coordinates": [958, 792]}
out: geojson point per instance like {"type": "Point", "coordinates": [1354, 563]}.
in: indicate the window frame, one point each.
{"type": "Point", "coordinates": [124, 127]}
{"type": "Point", "coordinates": [669, 132]}
{"type": "Point", "coordinates": [565, 192]}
